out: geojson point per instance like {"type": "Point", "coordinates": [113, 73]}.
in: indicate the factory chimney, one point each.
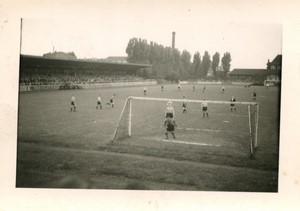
{"type": "Point", "coordinates": [173, 40]}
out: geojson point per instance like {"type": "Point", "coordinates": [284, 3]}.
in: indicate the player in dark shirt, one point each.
{"type": "Point", "coordinates": [170, 127]}
{"type": "Point", "coordinates": [232, 105]}
{"type": "Point", "coordinates": [204, 106]}
{"type": "Point", "coordinates": [184, 106]}
{"type": "Point", "coordinates": [111, 101]}
{"type": "Point", "coordinates": [254, 95]}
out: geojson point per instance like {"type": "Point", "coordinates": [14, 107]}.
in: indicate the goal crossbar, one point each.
{"type": "Point", "coordinates": [192, 101]}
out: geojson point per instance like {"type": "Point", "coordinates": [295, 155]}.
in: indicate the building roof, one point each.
{"type": "Point", "coordinates": [277, 60]}
{"type": "Point", "coordinates": [247, 72]}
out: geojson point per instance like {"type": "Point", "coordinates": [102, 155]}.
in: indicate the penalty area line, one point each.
{"type": "Point", "coordinates": [210, 130]}
{"type": "Point", "coordinates": [188, 143]}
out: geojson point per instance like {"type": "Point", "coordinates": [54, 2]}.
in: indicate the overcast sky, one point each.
{"type": "Point", "coordinates": [250, 44]}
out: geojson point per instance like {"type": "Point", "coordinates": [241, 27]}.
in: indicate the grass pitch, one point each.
{"type": "Point", "coordinates": [62, 149]}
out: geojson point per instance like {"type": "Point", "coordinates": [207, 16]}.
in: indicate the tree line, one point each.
{"type": "Point", "coordinates": [60, 55]}
{"type": "Point", "coordinates": [171, 64]}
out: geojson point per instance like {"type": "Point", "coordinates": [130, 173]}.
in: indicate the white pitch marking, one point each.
{"type": "Point", "coordinates": [231, 115]}
{"type": "Point", "coordinates": [210, 130]}
{"type": "Point", "coordinates": [188, 143]}
{"type": "Point", "coordinates": [226, 121]}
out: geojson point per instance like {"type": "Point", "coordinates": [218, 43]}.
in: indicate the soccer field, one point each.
{"type": "Point", "coordinates": [210, 154]}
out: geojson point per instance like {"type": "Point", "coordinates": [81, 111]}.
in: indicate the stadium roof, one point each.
{"type": "Point", "coordinates": [38, 61]}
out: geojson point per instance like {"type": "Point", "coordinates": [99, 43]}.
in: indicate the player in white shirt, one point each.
{"type": "Point", "coordinates": [170, 110]}
{"type": "Point", "coordinates": [99, 103]}
{"type": "Point", "coordinates": [73, 103]}
{"type": "Point", "coordinates": [204, 106]}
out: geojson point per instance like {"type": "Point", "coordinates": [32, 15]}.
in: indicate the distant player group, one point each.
{"type": "Point", "coordinates": [170, 123]}
{"type": "Point", "coordinates": [98, 105]}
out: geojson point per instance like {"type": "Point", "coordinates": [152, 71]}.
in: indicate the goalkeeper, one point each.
{"type": "Point", "coordinates": [170, 127]}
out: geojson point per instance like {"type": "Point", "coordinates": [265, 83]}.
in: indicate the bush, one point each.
{"type": "Point", "coordinates": [172, 76]}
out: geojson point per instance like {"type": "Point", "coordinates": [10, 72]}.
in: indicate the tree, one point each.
{"type": "Point", "coordinates": [165, 61]}
{"type": "Point", "coordinates": [205, 64]}
{"type": "Point", "coordinates": [176, 60]}
{"type": "Point", "coordinates": [130, 50]}
{"type": "Point", "coordinates": [138, 51]}
{"type": "Point", "coordinates": [145, 51]}
{"type": "Point", "coordinates": [215, 63]}
{"type": "Point", "coordinates": [196, 65]}
{"type": "Point", "coordinates": [60, 55]}
{"type": "Point", "coordinates": [185, 63]}
{"type": "Point", "coordinates": [226, 59]}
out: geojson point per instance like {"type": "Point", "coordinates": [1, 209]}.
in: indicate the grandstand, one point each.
{"type": "Point", "coordinates": [54, 73]}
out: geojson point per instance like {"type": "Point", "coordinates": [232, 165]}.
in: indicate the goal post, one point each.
{"type": "Point", "coordinates": [123, 128]}
{"type": "Point", "coordinates": [125, 123]}
{"type": "Point", "coordinates": [253, 110]}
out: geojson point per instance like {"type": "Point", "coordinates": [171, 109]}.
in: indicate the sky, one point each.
{"type": "Point", "coordinates": [250, 44]}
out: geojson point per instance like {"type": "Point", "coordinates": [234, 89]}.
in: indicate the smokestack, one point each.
{"type": "Point", "coordinates": [173, 40]}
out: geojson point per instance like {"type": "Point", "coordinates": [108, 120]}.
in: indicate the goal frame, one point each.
{"type": "Point", "coordinates": [253, 137]}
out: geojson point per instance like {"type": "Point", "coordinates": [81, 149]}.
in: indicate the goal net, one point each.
{"type": "Point", "coordinates": [142, 118]}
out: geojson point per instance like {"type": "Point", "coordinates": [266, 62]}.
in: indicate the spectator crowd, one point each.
{"type": "Point", "coordinates": [59, 79]}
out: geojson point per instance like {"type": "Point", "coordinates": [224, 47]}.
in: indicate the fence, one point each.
{"type": "Point", "coordinates": [85, 86]}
